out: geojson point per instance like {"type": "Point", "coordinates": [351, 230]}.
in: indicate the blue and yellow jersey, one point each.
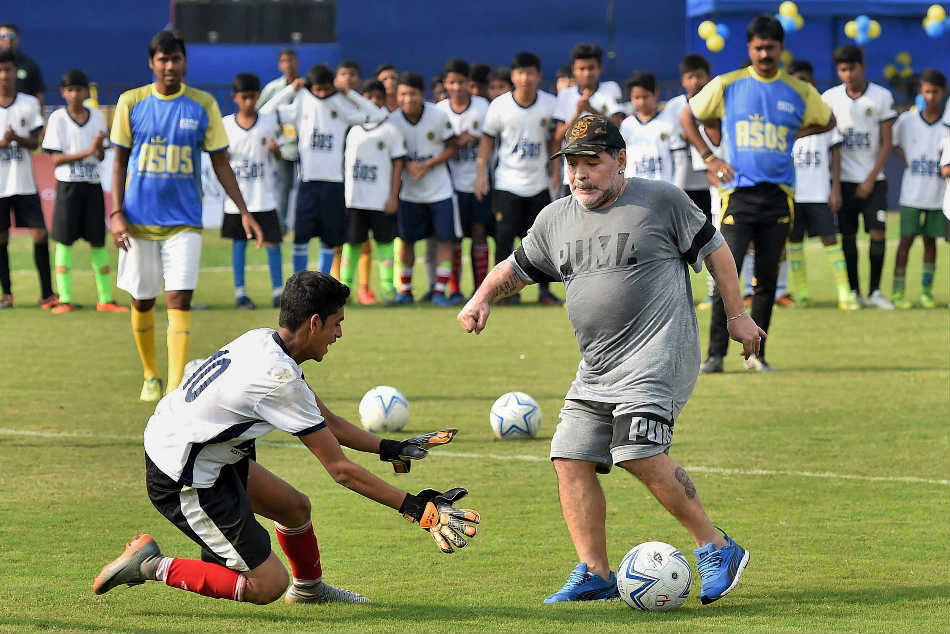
{"type": "Point", "coordinates": [166, 135]}
{"type": "Point", "coordinates": [760, 119]}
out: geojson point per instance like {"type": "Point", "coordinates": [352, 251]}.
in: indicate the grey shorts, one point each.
{"type": "Point", "coordinates": [609, 433]}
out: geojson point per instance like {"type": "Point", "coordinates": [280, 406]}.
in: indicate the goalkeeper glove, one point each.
{"type": "Point", "coordinates": [434, 512]}
{"type": "Point", "coordinates": [415, 448]}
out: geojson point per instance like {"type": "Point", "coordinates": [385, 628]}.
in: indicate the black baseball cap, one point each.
{"type": "Point", "coordinates": [590, 135]}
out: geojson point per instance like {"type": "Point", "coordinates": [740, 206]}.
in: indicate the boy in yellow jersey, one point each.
{"type": "Point", "coordinates": [159, 132]}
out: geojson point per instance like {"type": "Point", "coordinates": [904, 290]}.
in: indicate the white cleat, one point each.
{"type": "Point", "coordinates": [877, 300]}
{"type": "Point", "coordinates": [758, 364]}
{"type": "Point", "coordinates": [321, 592]}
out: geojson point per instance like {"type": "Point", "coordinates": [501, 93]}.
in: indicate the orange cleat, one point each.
{"type": "Point", "coordinates": [66, 307]}
{"type": "Point", "coordinates": [366, 297]}
{"type": "Point", "coordinates": [48, 302]}
{"type": "Point", "coordinates": [111, 307]}
{"type": "Point", "coordinates": [785, 301]}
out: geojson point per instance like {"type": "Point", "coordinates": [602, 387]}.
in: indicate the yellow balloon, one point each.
{"type": "Point", "coordinates": [715, 43]}
{"type": "Point", "coordinates": [851, 29]}
{"type": "Point", "coordinates": [874, 30]}
{"type": "Point", "coordinates": [707, 29]}
{"type": "Point", "coordinates": [926, 21]}
{"type": "Point", "coordinates": [786, 57]}
{"type": "Point", "coordinates": [903, 58]}
{"type": "Point", "coordinates": [907, 71]}
{"type": "Point", "coordinates": [890, 71]}
{"type": "Point", "coordinates": [789, 9]}
{"type": "Point", "coordinates": [799, 22]}
{"type": "Point", "coordinates": [936, 13]}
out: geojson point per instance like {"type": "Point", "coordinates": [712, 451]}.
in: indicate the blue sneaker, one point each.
{"type": "Point", "coordinates": [440, 300]}
{"type": "Point", "coordinates": [582, 585]}
{"type": "Point", "coordinates": [402, 299]}
{"type": "Point", "coordinates": [720, 569]}
{"type": "Point", "coordinates": [456, 299]}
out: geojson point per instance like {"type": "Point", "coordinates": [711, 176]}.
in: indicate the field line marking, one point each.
{"type": "Point", "coordinates": [827, 475]}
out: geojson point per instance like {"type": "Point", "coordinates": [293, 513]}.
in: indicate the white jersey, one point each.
{"type": "Point", "coordinates": [859, 121]}
{"type": "Point", "coordinates": [686, 174]}
{"type": "Point", "coordinates": [812, 156]}
{"type": "Point", "coordinates": [252, 162]}
{"type": "Point", "coordinates": [521, 135]}
{"type": "Point", "coordinates": [649, 144]}
{"type": "Point", "coordinates": [921, 186]}
{"type": "Point", "coordinates": [605, 101]}
{"type": "Point", "coordinates": [321, 128]}
{"type": "Point", "coordinates": [370, 152]}
{"type": "Point", "coordinates": [944, 161]}
{"type": "Point", "coordinates": [16, 164]}
{"type": "Point", "coordinates": [246, 389]}
{"type": "Point", "coordinates": [462, 166]}
{"type": "Point", "coordinates": [64, 135]}
{"type": "Point", "coordinates": [425, 139]}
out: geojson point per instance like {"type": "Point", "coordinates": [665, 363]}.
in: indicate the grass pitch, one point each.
{"type": "Point", "coordinates": [832, 471]}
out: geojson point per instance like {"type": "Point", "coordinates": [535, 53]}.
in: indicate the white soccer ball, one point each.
{"type": "Point", "coordinates": [190, 368]}
{"type": "Point", "coordinates": [515, 415]}
{"type": "Point", "coordinates": [654, 577]}
{"type": "Point", "coordinates": [384, 409]}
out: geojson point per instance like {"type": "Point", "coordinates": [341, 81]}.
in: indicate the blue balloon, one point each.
{"type": "Point", "coordinates": [934, 29]}
{"type": "Point", "coordinates": [723, 31]}
{"type": "Point", "coordinates": [863, 23]}
{"type": "Point", "coordinates": [920, 103]}
{"type": "Point", "coordinates": [788, 23]}
{"type": "Point", "coordinates": [862, 38]}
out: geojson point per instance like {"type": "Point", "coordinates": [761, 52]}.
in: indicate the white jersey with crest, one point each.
{"type": "Point", "coordinates": [812, 156]}
{"type": "Point", "coordinates": [605, 101]}
{"type": "Point", "coordinates": [16, 164]}
{"type": "Point", "coordinates": [922, 186]}
{"type": "Point", "coordinates": [462, 166]}
{"type": "Point", "coordinates": [246, 389]}
{"type": "Point", "coordinates": [649, 147]}
{"type": "Point", "coordinates": [687, 174]}
{"type": "Point", "coordinates": [944, 161]}
{"type": "Point", "coordinates": [370, 152]}
{"type": "Point", "coordinates": [859, 121]}
{"type": "Point", "coordinates": [521, 134]}
{"type": "Point", "coordinates": [252, 162]}
{"type": "Point", "coordinates": [425, 139]}
{"type": "Point", "coordinates": [64, 135]}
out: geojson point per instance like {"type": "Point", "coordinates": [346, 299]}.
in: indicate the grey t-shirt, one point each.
{"type": "Point", "coordinates": [628, 291]}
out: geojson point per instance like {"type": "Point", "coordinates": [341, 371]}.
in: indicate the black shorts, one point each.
{"type": "Point", "coordinates": [219, 519]}
{"type": "Point", "coordinates": [702, 199]}
{"type": "Point", "coordinates": [321, 213]}
{"type": "Point", "coordinates": [80, 212]}
{"type": "Point", "coordinates": [27, 212]}
{"type": "Point", "coordinates": [873, 208]}
{"type": "Point", "coordinates": [473, 211]}
{"type": "Point", "coordinates": [816, 218]}
{"type": "Point", "coordinates": [232, 228]}
{"type": "Point", "coordinates": [518, 212]}
{"type": "Point", "coordinates": [383, 226]}
{"type": "Point", "coordinates": [421, 220]}
{"type": "Point", "coordinates": [764, 203]}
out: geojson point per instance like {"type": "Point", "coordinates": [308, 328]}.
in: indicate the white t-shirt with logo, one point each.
{"type": "Point", "coordinates": [64, 135]}
{"type": "Point", "coordinates": [252, 162]}
{"type": "Point", "coordinates": [859, 121]}
{"type": "Point", "coordinates": [649, 145]}
{"type": "Point", "coordinates": [370, 152]}
{"type": "Point", "coordinates": [425, 139]}
{"type": "Point", "coordinates": [521, 134]}
{"type": "Point", "coordinates": [944, 161]}
{"type": "Point", "coordinates": [16, 164]}
{"type": "Point", "coordinates": [462, 166]}
{"type": "Point", "coordinates": [812, 156]}
{"type": "Point", "coordinates": [605, 101]}
{"type": "Point", "coordinates": [922, 186]}
{"type": "Point", "coordinates": [686, 174]}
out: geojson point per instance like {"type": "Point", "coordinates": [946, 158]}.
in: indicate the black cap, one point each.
{"type": "Point", "coordinates": [590, 135]}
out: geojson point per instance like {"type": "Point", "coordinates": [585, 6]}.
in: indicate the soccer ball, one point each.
{"type": "Point", "coordinates": [515, 415]}
{"type": "Point", "coordinates": [654, 577]}
{"type": "Point", "coordinates": [384, 409]}
{"type": "Point", "coordinates": [190, 368]}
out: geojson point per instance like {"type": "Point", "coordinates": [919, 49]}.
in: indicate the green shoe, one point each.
{"type": "Point", "coordinates": [151, 390]}
{"type": "Point", "coordinates": [927, 301]}
{"type": "Point", "coordinates": [901, 302]}
{"type": "Point", "coordinates": [848, 300]}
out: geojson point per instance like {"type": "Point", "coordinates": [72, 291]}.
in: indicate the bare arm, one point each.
{"type": "Point", "coordinates": [808, 130]}
{"type": "Point", "coordinates": [30, 142]}
{"type": "Point", "coordinates": [501, 282]}
{"type": "Point", "coordinates": [485, 148]}
{"type": "Point", "coordinates": [59, 158]}
{"type": "Point", "coordinates": [887, 144]}
{"type": "Point", "coordinates": [222, 169]}
{"type": "Point", "coordinates": [834, 199]}
{"type": "Point", "coordinates": [348, 434]}
{"type": "Point", "coordinates": [392, 205]}
{"type": "Point", "coordinates": [741, 326]}
{"type": "Point", "coordinates": [118, 224]}
{"type": "Point", "coordinates": [714, 166]}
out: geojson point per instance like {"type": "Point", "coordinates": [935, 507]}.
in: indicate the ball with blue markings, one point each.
{"type": "Point", "coordinates": [515, 415]}
{"type": "Point", "coordinates": [384, 409]}
{"type": "Point", "coordinates": [654, 577]}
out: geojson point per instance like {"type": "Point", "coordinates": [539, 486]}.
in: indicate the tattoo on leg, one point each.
{"type": "Point", "coordinates": [683, 478]}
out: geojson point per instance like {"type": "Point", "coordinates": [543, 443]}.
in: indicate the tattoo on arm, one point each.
{"type": "Point", "coordinates": [683, 478]}
{"type": "Point", "coordinates": [507, 286]}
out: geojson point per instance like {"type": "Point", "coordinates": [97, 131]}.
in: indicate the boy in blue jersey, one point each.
{"type": "Point", "coordinates": [159, 131]}
{"type": "Point", "coordinates": [763, 110]}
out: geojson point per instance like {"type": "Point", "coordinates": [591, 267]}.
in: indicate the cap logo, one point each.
{"type": "Point", "coordinates": [579, 130]}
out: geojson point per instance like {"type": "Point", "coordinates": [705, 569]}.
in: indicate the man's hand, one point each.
{"type": "Point", "coordinates": [474, 315]}
{"type": "Point", "coordinates": [718, 172]}
{"type": "Point", "coordinates": [435, 512]}
{"type": "Point", "coordinates": [392, 205]}
{"type": "Point", "coordinates": [416, 448]}
{"type": "Point", "coordinates": [834, 199]}
{"type": "Point", "coordinates": [119, 227]}
{"type": "Point", "coordinates": [465, 138]}
{"type": "Point", "coordinates": [481, 185]}
{"type": "Point", "coordinates": [252, 229]}
{"type": "Point", "coordinates": [744, 330]}
{"type": "Point", "coordinates": [298, 83]}
{"type": "Point", "coordinates": [583, 104]}
{"type": "Point", "coordinates": [96, 144]}
{"type": "Point", "coordinates": [417, 169]}
{"type": "Point", "coordinates": [7, 137]}
{"type": "Point", "coordinates": [864, 189]}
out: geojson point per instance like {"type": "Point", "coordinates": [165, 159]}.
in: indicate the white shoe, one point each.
{"type": "Point", "coordinates": [321, 592]}
{"type": "Point", "coordinates": [860, 301]}
{"type": "Point", "coordinates": [877, 300]}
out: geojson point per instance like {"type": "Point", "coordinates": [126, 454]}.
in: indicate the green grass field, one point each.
{"type": "Point", "coordinates": [833, 471]}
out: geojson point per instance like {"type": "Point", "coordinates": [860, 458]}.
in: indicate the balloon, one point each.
{"type": "Point", "coordinates": [934, 29]}
{"type": "Point", "coordinates": [907, 71]}
{"type": "Point", "coordinates": [863, 23]}
{"type": "Point", "coordinates": [786, 57]}
{"type": "Point", "coordinates": [851, 29]}
{"type": "Point", "coordinates": [707, 29]}
{"type": "Point", "coordinates": [862, 39]}
{"type": "Point", "coordinates": [874, 30]}
{"type": "Point", "coordinates": [799, 22]}
{"type": "Point", "coordinates": [890, 71]}
{"type": "Point", "coordinates": [903, 58]}
{"type": "Point", "coordinates": [790, 9]}
{"type": "Point", "coordinates": [936, 13]}
{"type": "Point", "coordinates": [715, 43]}
{"type": "Point", "coordinates": [787, 23]}
{"type": "Point", "coordinates": [920, 102]}
{"type": "Point", "coordinates": [723, 30]}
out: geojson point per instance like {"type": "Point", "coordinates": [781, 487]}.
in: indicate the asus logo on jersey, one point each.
{"type": "Point", "coordinates": [595, 253]}
{"type": "Point", "coordinates": [158, 157]}
{"type": "Point", "coordinates": [11, 153]}
{"type": "Point", "coordinates": [187, 124]}
{"type": "Point", "coordinates": [320, 141]}
{"type": "Point", "coordinates": [526, 149]}
{"type": "Point", "coordinates": [807, 158]}
{"type": "Point", "coordinates": [648, 165]}
{"type": "Point", "coordinates": [757, 133]}
{"type": "Point", "coordinates": [925, 167]}
{"type": "Point", "coordinates": [364, 172]}
{"type": "Point", "coordinates": [854, 139]}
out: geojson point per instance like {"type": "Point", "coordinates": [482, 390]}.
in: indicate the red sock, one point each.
{"type": "Point", "coordinates": [202, 577]}
{"type": "Point", "coordinates": [405, 280]}
{"type": "Point", "coordinates": [300, 546]}
{"type": "Point", "coordinates": [442, 275]}
{"type": "Point", "coordinates": [480, 262]}
{"type": "Point", "coordinates": [456, 274]}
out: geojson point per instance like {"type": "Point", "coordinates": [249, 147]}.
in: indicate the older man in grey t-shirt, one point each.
{"type": "Point", "coordinates": [622, 249]}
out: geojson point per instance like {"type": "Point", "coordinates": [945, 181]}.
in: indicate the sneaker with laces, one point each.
{"type": "Point", "coordinates": [456, 299]}
{"type": "Point", "coordinates": [758, 364]}
{"type": "Point", "coordinates": [321, 592]}
{"type": "Point", "coordinates": [901, 302]}
{"type": "Point", "coordinates": [151, 390]}
{"type": "Point", "coordinates": [110, 307]}
{"type": "Point", "coordinates": [583, 585]}
{"type": "Point", "coordinates": [927, 301]}
{"type": "Point", "coordinates": [244, 303]}
{"type": "Point", "coordinates": [877, 300]}
{"type": "Point", "coordinates": [66, 307]}
{"type": "Point", "coordinates": [403, 299]}
{"type": "Point", "coordinates": [712, 364]}
{"type": "Point", "coordinates": [785, 301]}
{"type": "Point", "coordinates": [133, 567]}
{"type": "Point", "coordinates": [440, 300]}
{"type": "Point", "coordinates": [6, 301]}
{"type": "Point", "coordinates": [48, 302]}
{"type": "Point", "coordinates": [720, 568]}
{"type": "Point", "coordinates": [366, 297]}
